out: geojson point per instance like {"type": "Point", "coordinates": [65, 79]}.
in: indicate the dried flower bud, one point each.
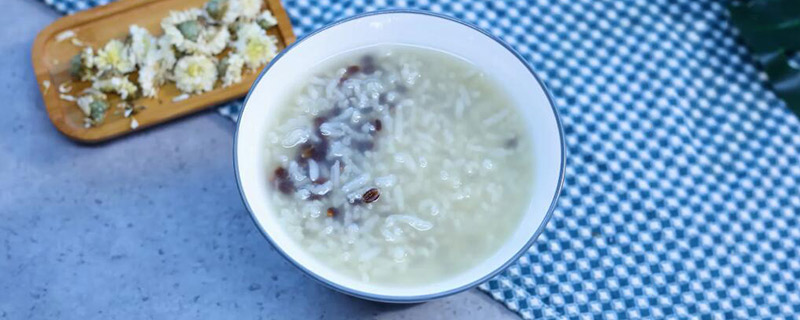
{"type": "Point", "coordinates": [190, 29]}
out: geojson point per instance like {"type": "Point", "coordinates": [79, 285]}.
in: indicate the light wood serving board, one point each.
{"type": "Point", "coordinates": [94, 27]}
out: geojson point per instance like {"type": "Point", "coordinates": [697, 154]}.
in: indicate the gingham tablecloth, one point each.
{"type": "Point", "coordinates": [681, 197]}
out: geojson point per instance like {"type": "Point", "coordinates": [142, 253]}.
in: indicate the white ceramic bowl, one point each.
{"type": "Point", "coordinates": [414, 28]}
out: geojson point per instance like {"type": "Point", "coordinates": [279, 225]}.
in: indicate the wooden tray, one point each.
{"type": "Point", "coordinates": [95, 27]}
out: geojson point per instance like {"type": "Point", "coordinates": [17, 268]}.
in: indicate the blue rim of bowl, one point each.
{"type": "Point", "coordinates": [419, 298]}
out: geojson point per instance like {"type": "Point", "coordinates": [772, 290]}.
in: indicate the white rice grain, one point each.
{"type": "Point", "coordinates": [412, 221]}
{"type": "Point", "coordinates": [335, 173]}
{"type": "Point", "coordinates": [295, 137]}
{"type": "Point", "coordinates": [313, 170]}
{"type": "Point", "coordinates": [296, 172]}
{"type": "Point", "coordinates": [321, 189]}
{"type": "Point", "coordinates": [355, 183]}
{"type": "Point", "coordinates": [496, 118]}
{"type": "Point", "coordinates": [385, 181]}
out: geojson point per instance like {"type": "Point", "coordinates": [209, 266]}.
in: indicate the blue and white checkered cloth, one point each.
{"type": "Point", "coordinates": [681, 197]}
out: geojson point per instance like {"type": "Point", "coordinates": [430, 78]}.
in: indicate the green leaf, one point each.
{"type": "Point", "coordinates": [771, 29]}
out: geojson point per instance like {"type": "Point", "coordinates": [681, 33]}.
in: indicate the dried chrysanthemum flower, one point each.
{"type": "Point", "coordinates": [266, 20]}
{"type": "Point", "coordinates": [156, 67]}
{"type": "Point", "coordinates": [177, 17]}
{"type": "Point", "coordinates": [115, 56]}
{"type": "Point", "coordinates": [192, 37]}
{"type": "Point", "coordinates": [255, 46]}
{"type": "Point", "coordinates": [118, 84]}
{"type": "Point", "coordinates": [229, 11]}
{"type": "Point", "coordinates": [188, 31]}
{"type": "Point", "coordinates": [230, 69]}
{"type": "Point", "coordinates": [223, 11]}
{"type": "Point", "coordinates": [141, 43]}
{"type": "Point", "coordinates": [93, 104]}
{"type": "Point", "coordinates": [248, 9]}
{"type": "Point", "coordinates": [216, 9]}
{"type": "Point", "coordinates": [82, 64]}
{"type": "Point", "coordinates": [234, 28]}
{"type": "Point", "coordinates": [195, 74]}
{"type": "Point", "coordinates": [151, 78]}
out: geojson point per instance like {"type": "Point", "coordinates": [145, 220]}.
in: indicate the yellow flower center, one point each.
{"type": "Point", "coordinates": [255, 50]}
{"type": "Point", "coordinates": [113, 57]}
{"type": "Point", "coordinates": [194, 70]}
{"type": "Point", "coordinates": [146, 46]}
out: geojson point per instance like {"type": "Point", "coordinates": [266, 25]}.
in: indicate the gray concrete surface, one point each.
{"type": "Point", "coordinates": [146, 227]}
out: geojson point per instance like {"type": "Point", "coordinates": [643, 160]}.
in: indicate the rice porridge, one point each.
{"type": "Point", "coordinates": [399, 165]}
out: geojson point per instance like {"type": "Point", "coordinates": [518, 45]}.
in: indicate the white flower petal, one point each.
{"type": "Point", "coordinates": [195, 74]}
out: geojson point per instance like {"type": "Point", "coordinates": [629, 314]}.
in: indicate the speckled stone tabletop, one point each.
{"type": "Point", "coordinates": [146, 227]}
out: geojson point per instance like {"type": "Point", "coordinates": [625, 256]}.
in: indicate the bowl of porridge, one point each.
{"type": "Point", "coordinates": [399, 156]}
